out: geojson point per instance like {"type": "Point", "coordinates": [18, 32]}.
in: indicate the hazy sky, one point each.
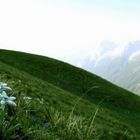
{"type": "Point", "coordinates": [67, 29]}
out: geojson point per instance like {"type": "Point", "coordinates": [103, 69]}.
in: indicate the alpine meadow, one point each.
{"type": "Point", "coordinates": [45, 99]}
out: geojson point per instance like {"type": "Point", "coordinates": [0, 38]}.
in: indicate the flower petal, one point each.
{"type": "Point", "coordinates": [27, 98]}
{"type": "Point", "coordinates": [7, 88]}
{"type": "Point", "coordinates": [4, 94]}
{"type": "Point", "coordinates": [12, 98]}
{"type": "Point", "coordinates": [2, 102]}
{"type": "Point", "coordinates": [9, 102]}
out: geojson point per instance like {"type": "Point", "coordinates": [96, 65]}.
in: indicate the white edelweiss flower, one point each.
{"type": "Point", "coordinates": [4, 86]}
{"type": "Point", "coordinates": [10, 101]}
{"type": "Point", "coordinates": [4, 99]}
{"type": "Point", "coordinates": [7, 100]}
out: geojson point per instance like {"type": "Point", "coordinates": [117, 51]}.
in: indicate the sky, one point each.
{"type": "Point", "coordinates": [68, 30]}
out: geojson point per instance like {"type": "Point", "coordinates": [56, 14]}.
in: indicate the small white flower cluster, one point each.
{"type": "Point", "coordinates": [4, 99]}
{"type": "Point", "coordinates": [27, 99]}
{"type": "Point", "coordinates": [4, 87]}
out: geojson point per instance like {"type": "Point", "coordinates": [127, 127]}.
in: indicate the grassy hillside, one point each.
{"type": "Point", "coordinates": [75, 104]}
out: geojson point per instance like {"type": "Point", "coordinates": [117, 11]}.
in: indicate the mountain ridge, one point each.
{"type": "Point", "coordinates": [118, 67]}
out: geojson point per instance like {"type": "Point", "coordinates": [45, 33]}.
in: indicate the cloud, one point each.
{"type": "Point", "coordinates": [134, 56]}
{"type": "Point", "coordinates": [65, 33]}
{"type": "Point", "coordinates": [110, 55]}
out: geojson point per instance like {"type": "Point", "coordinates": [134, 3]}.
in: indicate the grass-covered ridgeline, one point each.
{"type": "Point", "coordinates": [67, 102]}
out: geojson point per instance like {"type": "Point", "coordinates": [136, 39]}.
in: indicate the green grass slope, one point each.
{"type": "Point", "coordinates": [80, 104]}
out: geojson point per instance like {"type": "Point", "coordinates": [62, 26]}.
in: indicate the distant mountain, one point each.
{"type": "Point", "coordinates": [131, 48]}
{"type": "Point", "coordinates": [105, 47]}
{"type": "Point", "coordinates": [120, 66]}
